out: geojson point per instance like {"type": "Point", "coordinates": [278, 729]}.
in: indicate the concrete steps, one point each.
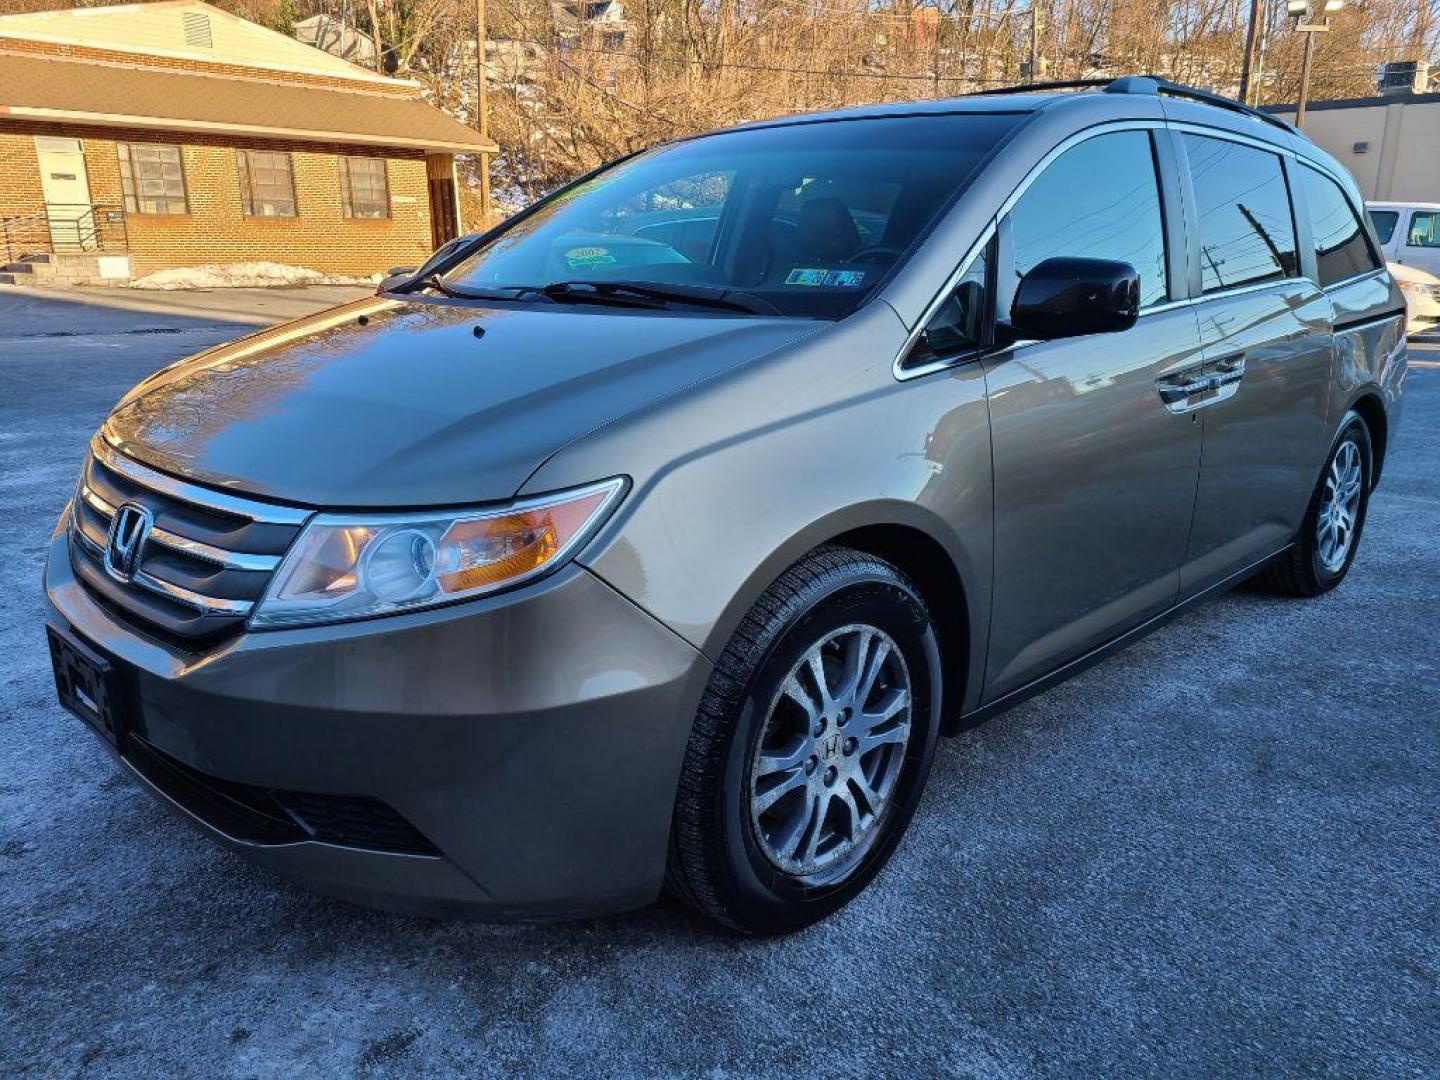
{"type": "Point", "coordinates": [66, 268]}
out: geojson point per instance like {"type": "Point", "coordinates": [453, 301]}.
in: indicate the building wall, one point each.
{"type": "Point", "coordinates": [20, 191]}
{"type": "Point", "coordinates": [1402, 160]}
{"type": "Point", "coordinates": [216, 228]}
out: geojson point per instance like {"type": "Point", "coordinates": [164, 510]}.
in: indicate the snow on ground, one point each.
{"type": "Point", "coordinates": [244, 275]}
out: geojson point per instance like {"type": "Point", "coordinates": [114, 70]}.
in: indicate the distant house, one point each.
{"type": "Point", "coordinates": [338, 38]}
{"type": "Point", "coordinates": [167, 134]}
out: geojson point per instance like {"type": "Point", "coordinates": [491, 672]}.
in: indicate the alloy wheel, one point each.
{"type": "Point", "coordinates": [830, 752]}
{"type": "Point", "coordinates": [1339, 507]}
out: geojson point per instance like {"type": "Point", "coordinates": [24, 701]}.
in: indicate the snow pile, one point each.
{"type": "Point", "coordinates": [245, 275]}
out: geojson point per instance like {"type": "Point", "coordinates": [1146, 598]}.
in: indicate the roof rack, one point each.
{"type": "Point", "coordinates": [1037, 87]}
{"type": "Point", "coordinates": [1153, 85]}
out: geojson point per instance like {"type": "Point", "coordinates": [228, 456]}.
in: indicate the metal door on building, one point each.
{"type": "Point", "coordinates": [66, 190]}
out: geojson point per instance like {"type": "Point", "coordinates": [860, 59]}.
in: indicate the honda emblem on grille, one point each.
{"type": "Point", "coordinates": [125, 546]}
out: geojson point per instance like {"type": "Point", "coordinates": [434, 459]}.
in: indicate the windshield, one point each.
{"type": "Point", "coordinates": [805, 218]}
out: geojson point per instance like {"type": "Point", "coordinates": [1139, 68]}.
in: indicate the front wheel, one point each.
{"type": "Point", "coordinates": [811, 746]}
{"type": "Point", "coordinates": [1330, 534]}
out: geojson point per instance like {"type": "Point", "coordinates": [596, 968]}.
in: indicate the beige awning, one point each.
{"type": "Point", "coordinates": [113, 95]}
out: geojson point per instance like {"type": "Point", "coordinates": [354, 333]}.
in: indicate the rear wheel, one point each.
{"type": "Point", "coordinates": [811, 746]}
{"type": "Point", "coordinates": [1330, 535]}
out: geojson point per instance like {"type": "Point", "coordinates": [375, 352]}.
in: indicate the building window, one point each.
{"type": "Point", "coordinates": [152, 177]}
{"type": "Point", "coordinates": [267, 183]}
{"type": "Point", "coordinates": [363, 187]}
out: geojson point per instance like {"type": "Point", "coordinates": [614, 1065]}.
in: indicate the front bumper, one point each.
{"type": "Point", "coordinates": [532, 739]}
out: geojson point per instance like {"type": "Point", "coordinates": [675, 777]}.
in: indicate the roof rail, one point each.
{"type": "Point", "coordinates": [1152, 85]}
{"type": "Point", "coordinates": [1037, 87]}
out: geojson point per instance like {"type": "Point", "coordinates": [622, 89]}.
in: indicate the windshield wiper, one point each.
{"type": "Point", "coordinates": [652, 295]}
{"type": "Point", "coordinates": [464, 292]}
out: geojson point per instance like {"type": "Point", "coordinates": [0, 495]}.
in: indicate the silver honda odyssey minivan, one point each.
{"type": "Point", "coordinates": [653, 539]}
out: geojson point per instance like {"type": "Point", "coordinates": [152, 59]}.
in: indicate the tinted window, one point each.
{"type": "Point", "coordinates": [1247, 234]}
{"type": "Point", "coordinates": [1384, 222]}
{"type": "Point", "coordinates": [809, 216]}
{"type": "Point", "coordinates": [1099, 200]}
{"type": "Point", "coordinates": [1341, 250]}
{"type": "Point", "coordinates": [1424, 229]}
{"type": "Point", "coordinates": [959, 324]}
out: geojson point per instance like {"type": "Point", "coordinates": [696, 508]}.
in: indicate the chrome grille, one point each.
{"type": "Point", "coordinates": [208, 558]}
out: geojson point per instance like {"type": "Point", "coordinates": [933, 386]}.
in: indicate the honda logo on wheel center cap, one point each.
{"type": "Point", "coordinates": [125, 545]}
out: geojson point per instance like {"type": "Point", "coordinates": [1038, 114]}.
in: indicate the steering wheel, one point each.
{"type": "Point", "coordinates": [874, 253]}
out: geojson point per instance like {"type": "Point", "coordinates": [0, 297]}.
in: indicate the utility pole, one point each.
{"type": "Point", "coordinates": [1298, 9]}
{"type": "Point", "coordinates": [1252, 37]}
{"type": "Point", "coordinates": [1035, 75]}
{"type": "Point", "coordinates": [482, 111]}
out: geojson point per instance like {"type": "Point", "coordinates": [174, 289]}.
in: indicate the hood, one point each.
{"type": "Point", "coordinates": [1411, 275]}
{"type": "Point", "coordinates": [396, 403]}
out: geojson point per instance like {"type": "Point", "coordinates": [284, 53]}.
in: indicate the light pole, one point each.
{"type": "Point", "coordinates": [1297, 10]}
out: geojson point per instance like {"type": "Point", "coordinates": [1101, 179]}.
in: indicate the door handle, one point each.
{"type": "Point", "coordinates": [1221, 377]}
{"type": "Point", "coordinates": [1229, 369]}
{"type": "Point", "coordinates": [1173, 392]}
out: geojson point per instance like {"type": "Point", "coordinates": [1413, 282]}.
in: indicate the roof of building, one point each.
{"type": "Point", "coordinates": [1379, 101]}
{"type": "Point", "coordinates": [183, 30]}
{"type": "Point", "coordinates": [47, 88]}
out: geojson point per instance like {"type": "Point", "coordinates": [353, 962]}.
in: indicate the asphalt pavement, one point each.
{"type": "Point", "coordinates": [1216, 854]}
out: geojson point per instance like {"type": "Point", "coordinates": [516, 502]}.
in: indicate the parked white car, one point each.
{"type": "Point", "coordinates": [1422, 297]}
{"type": "Point", "coordinates": [1409, 233]}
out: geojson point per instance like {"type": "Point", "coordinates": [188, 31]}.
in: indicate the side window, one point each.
{"type": "Point", "coordinates": [1101, 200]}
{"type": "Point", "coordinates": [1247, 233]}
{"type": "Point", "coordinates": [958, 326]}
{"type": "Point", "coordinates": [1384, 222]}
{"type": "Point", "coordinates": [1341, 250]}
{"type": "Point", "coordinates": [1424, 229]}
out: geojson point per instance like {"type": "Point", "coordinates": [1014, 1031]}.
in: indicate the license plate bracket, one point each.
{"type": "Point", "coordinates": [89, 685]}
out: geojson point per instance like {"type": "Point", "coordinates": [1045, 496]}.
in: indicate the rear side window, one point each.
{"type": "Point", "coordinates": [1098, 200]}
{"type": "Point", "coordinates": [1424, 229]}
{"type": "Point", "coordinates": [1341, 250]}
{"type": "Point", "coordinates": [1384, 222]}
{"type": "Point", "coordinates": [1247, 233]}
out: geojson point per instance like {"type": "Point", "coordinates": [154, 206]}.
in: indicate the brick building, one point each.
{"type": "Point", "coordinates": [147, 136]}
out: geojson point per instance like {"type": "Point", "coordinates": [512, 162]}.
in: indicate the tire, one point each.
{"type": "Point", "coordinates": [741, 852]}
{"type": "Point", "coordinates": [1312, 567]}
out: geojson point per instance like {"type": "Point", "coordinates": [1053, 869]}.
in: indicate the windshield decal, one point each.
{"type": "Point", "coordinates": [816, 276]}
{"type": "Point", "coordinates": [578, 258]}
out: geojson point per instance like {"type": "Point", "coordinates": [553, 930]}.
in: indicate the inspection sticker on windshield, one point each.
{"type": "Point", "coordinates": [575, 258]}
{"type": "Point", "coordinates": [843, 279]}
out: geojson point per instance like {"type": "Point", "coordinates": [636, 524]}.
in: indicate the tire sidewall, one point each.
{"type": "Point", "coordinates": [878, 599]}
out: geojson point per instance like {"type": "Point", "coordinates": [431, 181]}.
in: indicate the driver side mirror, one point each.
{"type": "Point", "coordinates": [1072, 297]}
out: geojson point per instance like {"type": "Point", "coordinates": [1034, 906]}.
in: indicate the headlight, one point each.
{"type": "Point", "coordinates": [352, 566]}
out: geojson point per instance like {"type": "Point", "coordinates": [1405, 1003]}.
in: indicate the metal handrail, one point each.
{"type": "Point", "coordinates": [17, 229]}
{"type": "Point", "coordinates": [68, 226]}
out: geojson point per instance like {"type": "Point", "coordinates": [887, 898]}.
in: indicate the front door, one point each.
{"type": "Point", "coordinates": [1267, 332]}
{"type": "Point", "coordinates": [67, 192]}
{"type": "Point", "coordinates": [1094, 473]}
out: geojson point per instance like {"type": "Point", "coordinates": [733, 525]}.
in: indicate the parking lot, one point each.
{"type": "Point", "coordinates": [1215, 854]}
